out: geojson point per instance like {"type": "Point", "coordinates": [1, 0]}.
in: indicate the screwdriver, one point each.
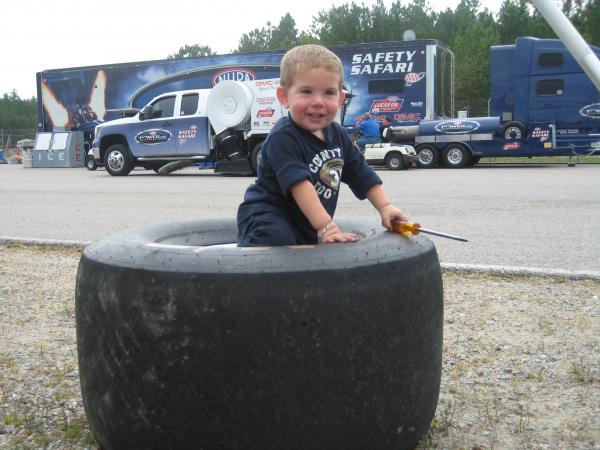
{"type": "Point", "coordinates": [415, 228]}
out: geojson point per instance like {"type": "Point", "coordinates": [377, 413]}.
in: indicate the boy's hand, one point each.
{"type": "Point", "coordinates": [390, 213]}
{"type": "Point", "coordinates": [334, 234]}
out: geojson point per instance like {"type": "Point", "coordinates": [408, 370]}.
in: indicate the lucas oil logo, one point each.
{"type": "Point", "coordinates": [267, 112]}
{"type": "Point", "coordinates": [592, 111]}
{"type": "Point", "coordinates": [457, 126]}
{"type": "Point", "coordinates": [150, 137]}
{"type": "Point", "coordinates": [233, 74]}
{"type": "Point", "coordinates": [386, 105]}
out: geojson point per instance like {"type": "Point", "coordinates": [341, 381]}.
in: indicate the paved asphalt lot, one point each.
{"type": "Point", "coordinates": [542, 216]}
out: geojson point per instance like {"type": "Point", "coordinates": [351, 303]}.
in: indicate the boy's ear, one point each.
{"type": "Point", "coordinates": [342, 97]}
{"type": "Point", "coordinates": [282, 96]}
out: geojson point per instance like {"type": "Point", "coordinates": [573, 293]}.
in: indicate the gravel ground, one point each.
{"type": "Point", "coordinates": [521, 359]}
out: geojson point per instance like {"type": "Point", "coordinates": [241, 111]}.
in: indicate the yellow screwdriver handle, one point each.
{"type": "Point", "coordinates": [406, 227]}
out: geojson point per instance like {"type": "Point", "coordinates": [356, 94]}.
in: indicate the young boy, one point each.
{"type": "Point", "coordinates": [304, 159]}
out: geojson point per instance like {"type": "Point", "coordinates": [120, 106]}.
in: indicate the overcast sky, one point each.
{"type": "Point", "coordinates": [38, 35]}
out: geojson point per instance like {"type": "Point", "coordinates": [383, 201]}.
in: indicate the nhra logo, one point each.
{"type": "Point", "coordinates": [412, 78]}
{"type": "Point", "coordinates": [267, 112]}
{"type": "Point", "coordinates": [150, 137]}
{"type": "Point", "coordinates": [390, 104]}
{"type": "Point", "coordinates": [237, 74]}
{"type": "Point", "coordinates": [457, 126]}
{"type": "Point", "coordinates": [592, 111]}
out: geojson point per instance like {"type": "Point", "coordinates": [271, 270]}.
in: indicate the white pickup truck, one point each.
{"type": "Point", "coordinates": [224, 126]}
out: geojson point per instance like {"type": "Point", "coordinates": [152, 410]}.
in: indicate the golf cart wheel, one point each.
{"type": "Point", "coordinates": [187, 341]}
{"type": "Point", "coordinates": [90, 163]}
{"type": "Point", "coordinates": [395, 161]}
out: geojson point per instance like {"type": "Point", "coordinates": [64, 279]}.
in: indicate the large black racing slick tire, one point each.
{"type": "Point", "coordinates": [187, 341]}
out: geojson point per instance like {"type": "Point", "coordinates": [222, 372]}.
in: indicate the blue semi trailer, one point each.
{"type": "Point", "coordinates": [541, 104]}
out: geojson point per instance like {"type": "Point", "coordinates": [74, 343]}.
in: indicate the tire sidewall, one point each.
{"type": "Point", "coordinates": [256, 156]}
{"type": "Point", "coordinates": [127, 160]}
{"type": "Point", "coordinates": [178, 246]}
{"type": "Point", "coordinates": [185, 319]}
{"type": "Point", "coordinates": [398, 159]}
{"type": "Point", "coordinates": [90, 163]}
{"type": "Point", "coordinates": [434, 156]}
{"type": "Point", "coordinates": [513, 125]}
{"type": "Point", "coordinates": [452, 149]}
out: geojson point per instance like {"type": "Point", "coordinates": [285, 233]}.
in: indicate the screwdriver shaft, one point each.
{"type": "Point", "coordinates": [415, 228]}
{"type": "Point", "coordinates": [445, 235]}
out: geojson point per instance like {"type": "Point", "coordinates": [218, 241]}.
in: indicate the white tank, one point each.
{"type": "Point", "coordinates": [228, 105]}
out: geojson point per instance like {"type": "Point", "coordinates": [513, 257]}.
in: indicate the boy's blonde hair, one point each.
{"type": "Point", "coordinates": [305, 57]}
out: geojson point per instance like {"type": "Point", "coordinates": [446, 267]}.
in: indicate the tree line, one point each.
{"type": "Point", "coordinates": [18, 119]}
{"type": "Point", "coordinates": [468, 30]}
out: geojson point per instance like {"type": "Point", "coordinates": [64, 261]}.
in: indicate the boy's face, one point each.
{"type": "Point", "coordinates": [313, 99]}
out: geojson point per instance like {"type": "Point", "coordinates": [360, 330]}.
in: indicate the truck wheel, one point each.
{"type": "Point", "coordinates": [456, 156]}
{"type": "Point", "coordinates": [513, 130]}
{"type": "Point", "coordinates": [118, 160]}
{"type": "Point", "coordinates": [428, 156]}
{"type": "Point", "coordinates": [395, 161]}
{"type": "Point", "coordinates": [187, 341]}
{"type": "Point", "coordinates": [90, 163]}
{"type": "Point", "coordinates": [256, 156]}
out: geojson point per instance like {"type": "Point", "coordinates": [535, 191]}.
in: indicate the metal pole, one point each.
{"type": "Point", "coordinates": [567, 33]}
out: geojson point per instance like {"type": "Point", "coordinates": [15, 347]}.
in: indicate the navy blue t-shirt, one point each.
{"type": "Point", "coordinates": [291, 154]}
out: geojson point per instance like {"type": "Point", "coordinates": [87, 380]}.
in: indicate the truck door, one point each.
{"type": "Point", "coordinates": [545, 95]}
{"type": "Point", "coordinates": [578, 92]}
{"type": "Point", "coordinates": [155, 136]}
{"type": "Point", "coordinates": [191, 125]}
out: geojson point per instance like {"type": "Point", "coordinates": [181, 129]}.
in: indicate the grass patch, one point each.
{"type": "Point", "coordinates": [582, 372]}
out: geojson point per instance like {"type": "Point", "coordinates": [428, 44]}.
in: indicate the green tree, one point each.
{"type": "Point", "coordinates": [472, 49]}
{"type": "Point", "coordinates": [17, 113]}
{"type": "Point", "coordinates": [189, 51]}
{"type": "Point", "coordinates": [590, 27]}
{"type": "Point", "coordinates": [18, 117]}
{"type": "Point", "coordinates": [345, 24]}
{"type": "Point", "coordinates": [282, 37]}
{"type": "Point", "coordinates": [514, 19]}
{"type": "Point", "coordinates": [306, 37]}
{"type": "Point", "coordinates": [285, 35]}
{"type": "Point", "coordinates": [382, 25]}
{"type": "Point", "coordinates": [445, 26]}
{"type": "Point", "coordinates": [256, 40]}
{"type": "Point", "coordinates": [416, 16]}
